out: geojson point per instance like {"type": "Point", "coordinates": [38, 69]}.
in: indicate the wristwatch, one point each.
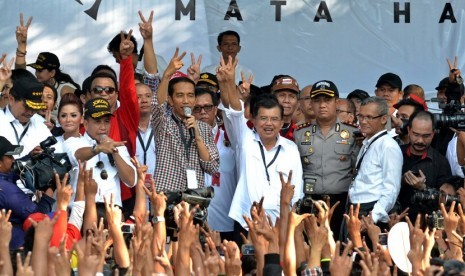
{"type": "Point", "coordinates": [94, 149]}
{"type": "Point", "coordinates": [156, 220]}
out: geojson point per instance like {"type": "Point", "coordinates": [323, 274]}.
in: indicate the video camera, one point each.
{"type": "Point", "coordinates": [38, 172]}
{"type": "Point", "coordinates": [429, 199]}
{"type": "Point", "coordinates": [306, 205]}
{"type": "Point", "coordinates": [200, 196]}
{"type": "Point", "coordinates": [452, 115]}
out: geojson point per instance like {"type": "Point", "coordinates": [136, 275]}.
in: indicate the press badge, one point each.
{"type": "Point", "coordinates": [191, 179]}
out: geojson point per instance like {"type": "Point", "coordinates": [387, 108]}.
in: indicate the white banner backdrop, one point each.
{"type": "Point", "coordinates": [352, 44]}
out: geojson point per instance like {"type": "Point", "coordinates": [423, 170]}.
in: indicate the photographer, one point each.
{"type": "Point", "coordinates": [423, 167]}
{"type": "Point", "coordinates": [12, 198]}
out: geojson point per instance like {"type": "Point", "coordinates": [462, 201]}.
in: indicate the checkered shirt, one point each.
{"type": "Point", "coordinates": [172, 161]}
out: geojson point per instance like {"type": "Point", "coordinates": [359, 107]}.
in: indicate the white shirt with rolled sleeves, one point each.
{"type": "Point", "coordinates": [379, 176]}
{"type": "Point", "coordinates": [451, 156]}
{"type": "Point", "coordinates": [253, 183]}
{"type": "Point", "coordinates": [106, 187]}
{"type": "Point", "coordinates": [218, 218]}
{"type": "Point", "coordinates": [36, 131]}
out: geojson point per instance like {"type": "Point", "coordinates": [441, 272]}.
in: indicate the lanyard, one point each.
{"type": "Point", "coordinates": [359, 163]}
{"type": "Point", "coordinates": [187, 145]}
{"type": "Point", "coordinates": [264, 161]}
{"type": "Point", "coordinates": [217, 136]}
{"type": "Point", "coordinates": [145, 147]}
{"type": "Point", "coordinates": [19, 138]}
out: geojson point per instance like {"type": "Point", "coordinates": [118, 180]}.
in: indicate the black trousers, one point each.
{"type": "Point", "coordinates": [365, 209]}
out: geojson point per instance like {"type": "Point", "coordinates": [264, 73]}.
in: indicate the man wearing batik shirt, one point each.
{"type": "Point", "coordinates": [185, 147]}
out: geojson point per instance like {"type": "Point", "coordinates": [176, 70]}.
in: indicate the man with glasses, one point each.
{"type": "Point", "coordinates": [109, 159]}
{"type": "Point", "coordinates": [345, 111]}
{"type": "Point", "coordinates": [126, 114]}
{"type": "Point", "coordinates": [327, 150]}
{"type": "Point", "coordinates": [376, 181]}
{"type": "Point", "coordinates": [225, 180]}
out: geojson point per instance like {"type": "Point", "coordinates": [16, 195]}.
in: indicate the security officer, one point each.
{"type": "Point", "coordinates": [328, 151]}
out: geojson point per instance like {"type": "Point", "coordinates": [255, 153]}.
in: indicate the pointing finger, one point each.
{"type": "Point", "coordinates": [29, 22]}
{"type": "Point", "coordinates": [142, 17]}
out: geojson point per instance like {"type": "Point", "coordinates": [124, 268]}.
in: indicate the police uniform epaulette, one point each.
{"type": "Point", "coordinates": [304, 125]}
{"type": "Point", "coordinates": [349, 124]}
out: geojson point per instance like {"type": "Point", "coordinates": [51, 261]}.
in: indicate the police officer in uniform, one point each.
{"type": "Point", "coordinates": [328, 151]}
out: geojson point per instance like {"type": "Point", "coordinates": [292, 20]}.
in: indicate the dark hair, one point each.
{"type": "Point", "coordinates": [139, 77]}
{"type": "Point", "coordinates": [455, 181]}
{"type": "Point", "coordinates": [229, 32]}
{"type": "Point", "coordinates": [103, 67]}
{"type": "Point", "coordinates": [61, 77]}
{"type": "Point", "coordinates": [266, 101]}
{"type": "Point", "coordinates": [55, 93]}
{"type": "Point", "coordinates": [425, 115]}
{"type": "Point", "coordinates": [410, 101]}
{"type": "Point", "coordinates": [103, 75]}
{"type": "Point", "coordinates": [70, 99]}
{"type": "Point", "coordinates": [199, 91]}
{"type": "Point", "coordinates": [21, 73]}
{"type": "Point", "coordinates": [175, 81]}
{"type": "Point", "coordinates": [113, 46]}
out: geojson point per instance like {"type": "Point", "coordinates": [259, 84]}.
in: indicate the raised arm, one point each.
{"type": "Point", "coordinates": [21, 38]}
{"type": "Point", "coordinates": [226, 78]}
{"type": "Point", "coordinates": [174, 65]}
{"type": "Point", "coordinates": [146, 31]}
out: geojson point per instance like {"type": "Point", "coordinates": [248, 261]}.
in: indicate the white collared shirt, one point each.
{"type": "Point", "coordinates": [106, 187]}
{"type": "Point", "coordinates": [379, 176]}
{"type": "Point", "coordinates": [218, 210]}
{"type": "Point", "coordinates": [451, 156]}
{"type": "Point", "coordinates": [253, 183]}
{"type": "Point", "coordinates": [36, 131]}
{"type": "Point", "coordinates": [151, 151]}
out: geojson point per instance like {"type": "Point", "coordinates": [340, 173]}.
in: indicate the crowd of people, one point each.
{"type": "Point", "coordinates": [187, 171]}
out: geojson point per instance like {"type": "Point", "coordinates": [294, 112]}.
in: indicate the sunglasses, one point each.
{"type": "Point", "coordinates": [103, 173]}
{"type": "Point", "coordinates": [99, 90]}
{"type": "Point", "coordinates": [207, 108]}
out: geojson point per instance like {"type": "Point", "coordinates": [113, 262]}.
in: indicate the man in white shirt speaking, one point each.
{"type": "Point", "coordinates": [110, 160]}
{"type": "Point", "coordinates": [376, 182]}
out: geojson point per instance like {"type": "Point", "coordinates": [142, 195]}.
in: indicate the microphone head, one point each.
{"type": "Point", "coordinates": [187, 111]}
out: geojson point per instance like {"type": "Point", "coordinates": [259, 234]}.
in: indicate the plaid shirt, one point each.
{"type": "Point", "coordinates": [316, 271]}
{"type": "Point", "coordinates": [172, 161]}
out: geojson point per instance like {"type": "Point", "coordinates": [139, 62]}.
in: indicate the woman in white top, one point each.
{"type": "Point", "coordinates": [70, 117]}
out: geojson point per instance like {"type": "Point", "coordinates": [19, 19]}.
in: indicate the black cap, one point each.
{"type": "Point", "coordinates": [96, 108]}
{"type": "Point", "coordinates": [444, 83]}
{"type": "Point", "coordinates": [46, 60]}
{"type": "Point", "coordinates": [358, 93]}
{"type": "Point", "coordinates": [391, 79]}
{"type": "Point", "coordinates": [209, 79]}
{"type": "Point", "coordinates": [31, 91]}
{"type": "Point", "coordinates": [324, 87]}
{"type": "Point", "coordinates": [6, 148]}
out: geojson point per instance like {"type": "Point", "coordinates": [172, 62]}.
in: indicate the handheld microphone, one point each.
{"type": "Point", "coordinates": [110, 156]}
{"type": "Point", "coordinates": [188, 112]}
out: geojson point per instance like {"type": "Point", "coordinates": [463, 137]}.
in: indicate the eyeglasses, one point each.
{"type": "Point", "coordinates": [108, 90]}
{"type": "Point", "coordinates": [339, 111]}
{"type": "Point", "coordinates": [103, 173]}
{"type": "Point", "coordinates": [368, 118]}
{"type": "Point", "coordinates": [206, 108]}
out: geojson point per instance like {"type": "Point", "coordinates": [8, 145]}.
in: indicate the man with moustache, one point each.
{"type": "Point", "coordinates": [305, 103]}
{"type": "Point", "coordinates": [424, 167]}
{"type": "Point", "coordinates": [286, 90]}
